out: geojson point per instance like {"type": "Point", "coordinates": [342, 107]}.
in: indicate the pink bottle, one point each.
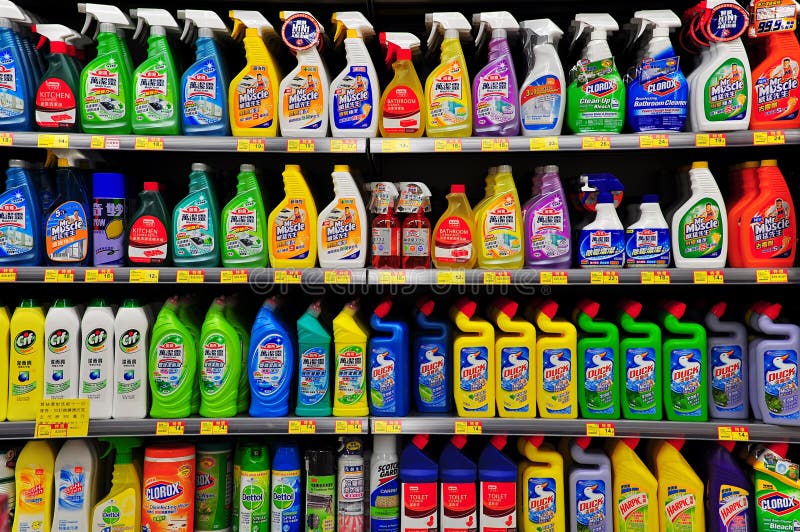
{"type": "Point", "coordinates": [546, 223]}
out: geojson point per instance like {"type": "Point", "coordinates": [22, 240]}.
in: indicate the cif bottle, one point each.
{"type": "Point", "coordinates": [123, 502]}
{"type": "Point", "coordinates": [447, 89]}
{"type": "Point", "coordinates": [680, 490]}
{"type": "Point", "coordinates": [75, 475]}
{"type": "Point", "coordinates": [33, 478]}
{"type": "Point", "coordinates": [388, 356]}
{"type": "Point", "coordinates": [349, 376]}
{"type": "Point", "coordinates": [432, 360]}
{"type": "Point", "coordinates": [546, 224]}
{"type": "Point", "coordinates": [494, 89]}
{"type": "Point", "coordinates": [590, 488]}
{"type": "Point", "coordinates": [20, 218]}
{"type": "Point", "coordinates": [729, 498]}
{"type": "Point", "coordinates": [220, 363]}
{"type": "Point", "coordinates": [599, 360]}
{"type": "Point", "coordinates": [541, 486]}
{"type": "Point", "coordinates": [457, 489]}
{"type": "Point", "coordinates": [419, 476]}
{"type": "Point", "coordinates": [26, 363]}
{"type": "Point", "coordinates": [728, 371]}
{"type": "Point", "coordinates": [556, 344]}
{"type": "Point", "coordinates": [148, 234]}
{"type": "Point", "coordinates": [56, 92]}
{"type": "Point", "coordinates": [243, 229]}
{"type": "Point", "coordinates": [293, 224]}
{"type": "Point", "coordinates": [285, 513]}
{"type": "Point", "coordinates": [97, 358]}
{"type": "Point", "coordinates": [542, 97]}
{"type": "Point", "coordinates": [62, 329]}
{"type": "Point", "coordinates": [383, 507]}
{"type": "Point", "coordinates": [195, 231]}
{"type": "Point", "coordinates": [132, 334]}
{"type": "Point", "coordinates": [647, 241]}
{"type": "Point", "coordinates": [402, 106]}
{"type": "Point", "coordinates": [204, 84]}
{"type": "Point", "coordinates": [777, 369]}
{"type": "Point", "coordinates": [270, 363]}
{"type": "Point", "coordinates": [635, 500]}
{"type": "Point", "coordinates": [172, 364]}
{"type": "Point", "coordinates": [685, 359]}
{"type": "Point", "coordinates": [497, 495]}
{"type": "Point", "coordinates": [342, 234]}
{"type": "Point", "coordinates": [454, 233]}
{"type": "Point", "coordinates": [498, 225]}
{"type": "Point", "coordinates": [314, 368]}
{"type": "Point", "coordinates": [515, 351]}
{"type": "Point", "coordinates": [66, 224]}
{"type": "Point", "coordinates": [640, 351]}
{"type": "Point", "coordinates": [474, 361]}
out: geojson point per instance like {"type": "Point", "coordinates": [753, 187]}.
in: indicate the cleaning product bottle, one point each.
{"type": "Point", "coordinates": [5, 348]}
{"type": "Point", "coordinates": [419, 475]}
{"type": "Point", "coordinates": [270, 364]}
{"type": "Point", "coordinates": [497, 497]}
{"type": "Point", "coordinates": [389, 366]}
{"type": "Point", "coordinates": [220, 364]}
{"type": "Point", "coordinates": [18, 89]}
{"type": "Point", "coordinates": [243, 226]}
{"type": "Point", "coordinates": [97, 358]}
{"type": "Point", "coordinates": [635, 499]}
{"type": "Point", "coordinates": [474, 361]}
{"type": "Point", "coordinates": [647, 242]}
{"type": "Point", "coordinates": [415, 203]}
{"type": "Point", "coordinates": [320, 490]}
{"type": "Point", "coordinates": [66, 223]}
{"type": "Point", "coordinates": [195, 219]}
{"type": "Point", "coordinates": [33, 476]}
{"type": "Point", "coordinates": [156, 84]}
{"type": "Point", "coordinates": [253, 496]}
{"type": "Point", "coordinates": [350, 366]}
{"type": "Point", "coordinates": [285, 512]}
{"type": "Point", "coordinates": [546, 224]}
{"type": "Point", "coordinates": [385, 227]}
{"type": "Point", "coordinates": [498, 225]}
{"type": "Point", "coordinates": [556, 344]}
{"type": "Point", "coordinates": [383, 507]}
{"type": "Point", "coordinates": [350, 484]}
{"type": "Point", "coordinates": [62, 358]}
{"type": "Point", "coordinates": [777, 369]}
{"type": "Point", "coordinates": [253, 97]}
{"type": "Point", "coordinates": [457, 490]}
{"type": "Point", "coordinates": [602, 242]}
{"type": "Point", "coordinates": [680, 490]}
{"type": "Point", "coordinates": [109, 212]}
{"type": "Point", "coordinates": [20, 218]}
{"type": "Point", "coordinates": [454, 233]}
{"type": "Point", "coordinates": [75, 485]}
{"type": "Point", "coordinates": [641, 356]}
{"type": "Point", "coordinates": [204, 84]}
{"type": "Point", "coordinates": [402, 105]}
{"type": "Point", "coordinates": [685, 354]}
{"type": "Point", "coordinates": [432, 361]}
{"type": "Point", "coordinates": [26, 363]}
{"type": "Point", "coordinates": [599, 360]}
{"type": "Point", "coordinates": [542, 94]}
{"type": "Point", "coordinates": [515, 350]}
{"type": "Point", "coordinates": [756, 318]}
{"type": "Point", "coordinates": [106, 95]}
{"type": "Point", "coordinates": [494, 89]}
{"type": "Point", "coordinates": [314, 369]}
{"type": "Point", "coordinates": [122, 505]}
{"type": "Point", "coordinates": [293, 224]}
{"type": "Point", "coordinates": [595, 93]}
{"type": "Point", "coordinates": [132, 334]}
{"type": "Point", "coordinates": [590, 504]}
{"type": "Point", "coordinates": [746, 179]}
{"type": "Point", "coordinates": [57, 91]}
{"type": "Point", "coordinates": [168, 479]}
{"type": "Point", "coordinates": [699, 226]}
{"type": "Point", "coordinates": [342, 233]}
{"type": "Point", "coordinates": [304, 108]}
{"type": "Point", "coordinates": [148, 236]}
{"type": "Point", "coordinates": [776, 487]}
{"type": "Point", "coordinates": [355, 92]}
{"type": "Point", "coordinates": [729, 491]}
{"type": "Point", "coordinates": [728, 371]}
{"type": "Point", "coordinates": [541, 480]}
{"type": "Point", "coordinates": [172, 364]}
{"type": "Point", "coordinates": [447, 89]}
{"type": "Point", "coordinates": [213, 492]}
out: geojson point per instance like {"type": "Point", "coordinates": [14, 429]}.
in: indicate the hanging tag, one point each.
{"type": "Point", "coordinates": [772, 16]}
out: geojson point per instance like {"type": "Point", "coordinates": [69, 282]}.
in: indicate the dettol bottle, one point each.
{"type": "Point", "coordinates": [350, 363]}
{"type": "Point", "coordinates": [33, 476]}
{"type": "Point", "coordinates": [148, 234]}
{"type": "Point", "coordinates": [286, 494]}
{"type": "Point", "coordinates": [220, 363]}
{"type": "Point", "coordinates": [342, 233]}
{"type": "Point", "coordinates": [497, 495]}
{"type": "Point", "coordinates": [5, 348]}
{"type": "Point", "coordinates": [20, 233]}
{"type": "Point", "coordinates": [635, 499]}
{"type": "Point", "coordinates": [314, 369]}
{"type": "Point", "coordinates": [728, 366]}
{"type": "Point", "coordinates": [62, 329]}
{"type": "Point", "coordinates": [515, 352]}
{"type": "Point", "coordinates": [457, 490]}
{"type": "Point", "coordinates": [132, 335]}
{"type": "Point", "coordinates": [454, 233]}
{"type": "Point", "coordinates": [75, 485]}
{"type": "Point", "coordinates": [26, 364]}
{"type": "Point", "coordinates": [498, 225]}
{"type": "Point", "coordinates": [123, 503]}
{"type": "Point", "coordinates": [172, 364]}
{"type": "Point", "coordinates": [640, 364]}
{"type": "Point", "coordinates": [243, 227]}
{"type": "Point", "coordinates": [97, 358]}
{"type": "Point", "coordinates": [680, 490]}
{"type": "Point", "coordinates": [388, 362]}
{"type": "Point", "coordinates": [589, 487]}
{"type": "Point", "coordinates": [685, 359]}
{"type": "Point", "coordinates": [431, 360]}
{"type": "Point", "coordinates": [474, 362]}
{"type": "Point", "coordinates": [599, 375]}
{"type": "Point", "coordinates": [729, 491]}
{"type": "Point", "coordinates": [253, 496]}
{"type": "Point", "coordinates": [541, 486]}
{"type": "Point", "coordinates": [271, 362]}
{"type": "Point", "coordinates": [419, 476]}
{"type": "Point", "coordinates": [402, 106]}
{"type": "Point", "coordinates": [447, 89]}
{"type": "Point", "coordinates": [542, 97]}
{"type": "Point", "coordinates": [293, 224]}
{"type": "Point", "coordinates": [195, 229]}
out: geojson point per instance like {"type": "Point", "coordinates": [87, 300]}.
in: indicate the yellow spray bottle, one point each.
{"type": "Point", "coordinates": [498, 224]}
{"type": "Point", "coordinates": [541, 487]}
{"type": "Point", "coordinates": [474, 361]}
{"type": "Point", "coordinates": [292, 224]}
{"type": "Point", "coordinates": [26, 363]}
{"type": "Point", "coordinates": [350, 343]}
{"type": "Point", "coordinates": [402, 106]}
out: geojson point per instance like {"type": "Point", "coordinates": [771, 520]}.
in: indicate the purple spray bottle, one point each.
{"type": "Point", "coordinates": [546, 219]}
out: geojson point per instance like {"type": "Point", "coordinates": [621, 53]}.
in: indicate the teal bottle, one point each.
{"type": "Point", "coordinates": [640, 364]}
{"type": "Point", "coordinates": [314, 372]}
{"type": "Point", "coordinates": [599, 359]}
{"type": "Point", "coordinates": [195, 223]}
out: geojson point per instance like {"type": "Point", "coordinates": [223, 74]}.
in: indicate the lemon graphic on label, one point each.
{"type": "Point", "coordinates": [114, 229]}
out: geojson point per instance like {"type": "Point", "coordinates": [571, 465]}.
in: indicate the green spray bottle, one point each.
{"type": "Point", "coordinates": [243, 231]}
{"type": "Point", "coordinates": [253, 496]}
{"type": "Point", "coordinates": [685, 364]}
{"type": "Point", "coordinates": [235, 319]}
{"type": "Point", "coordinates": [599, 359]}
{"type": "Point", "coordinates": [172, 363]}
{"type": "Point", "coordinates": [221, 363]}
{"type": "Point", "coordinates": [640, 364]}
{"type": "Point", "coordinates": [314, 372]}
{"type": "Point", "coordinates": [156, 84]}
{"type": "Point", "coordinates": [195, 223]}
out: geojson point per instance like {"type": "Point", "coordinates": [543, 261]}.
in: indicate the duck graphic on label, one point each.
{"type": "Point", "coordinates": [383, 379]}
{"type": "Point", "coordinates": [685, 382]}
{"type": "Point", "coordinates": [514, 378]}
{"type": "Point", "coordinates": [726, 377]}
{"type": "Point", "coordinates": [590, 503]}
{"type": "Point", "coordinates": [557, 375]}
{"type": "Point", "coordinates": [599, 379]}
{"type": "Point", "coordinates": [475, 378]}
{"type": "Point", "coordinates": [640, 373]}
{"type": "Point", "coordinates": [541, 500]}
{"type": "Point", "coordinates": [781, 383]}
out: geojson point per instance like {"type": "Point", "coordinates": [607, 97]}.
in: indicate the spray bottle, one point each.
{"type": "Point", "coordinates": [20, 230]}
{"type": "Point", "coordinates": [494, 89]}
{"type": "Point", "coordinates": [415, 202]}
{"type": "Point", "coordinates": [541, 97]}
{"type": "Point", "coordinates": [342, 231]}
{"type": "Point", "coordinates": [402, 106]}
{"type": "Point", "coordinates": [647, 242]}
{"type": "Point", "coordinates": [602, 242]}
{"type": "Point", "coordinates": [195, 222]}
{"type": "Point", "coordinates": [66, 225]}
{"type": "Point", "coordinates": [17, 96]}
{"type": "Point", "coordinates": [57, 92]}
{"type": "Point", "coordinates": [123, 503]}
{"type": "Point", "coordinates": [386, 230]}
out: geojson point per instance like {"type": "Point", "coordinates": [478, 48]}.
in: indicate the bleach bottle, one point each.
{"type": "Point", "coordinates": [17, 92]}
{"type": "Point", "coordinates": [602, 242]}
{"type": "Point", "coordinates": [730, 504]}
{"type": "Point", "coordinates": [20, 218]}
{"type": "Point", "coordinates": [685, 359]}
{"type": "Point", "coordinates": [432, 360]}
{"type": "Point", "coordinates": [542, 96]}
{"type": "Point", "coordinates": [599, 361]}
{"type": "Point", "coordinates": [497, 497]}
{"type": "Point", "coordinates": [647, 242]}
{"type": "Point", "coordinates": [590, 501]}
{"type": "Point", "coordinates": [515, 352]}
{"type": "Point", "coordinates": [777, 369]}
{"type": "Point", "coordinates": [314, 369]}
{"type": "Point", "coordinates": [728, 369]}
{"type": "Point", "coordinates": [388, 360]}
{"type": "Point", "coordinates": [474, 361]}
{"type": "Point", "coordinates": [640, 352]}
{"type": "Point", "coordinates": [541, 486]}
{"type": "Point", "coordinates": [270, 363]}
{"type": "Point", "coordinates": [458, 474]}
{"type": "Point", "coordinates": [419, 476]}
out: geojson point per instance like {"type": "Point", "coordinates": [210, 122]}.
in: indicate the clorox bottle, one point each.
{"type": "Point", "coordinates": [388, 361]}
{"type": "Point", "coordinates": [293, 224]}
{"type": "Point", "coordinates": [515, 353]}
{"type": "Point", "coordinates": [350, 373]}
{"type": "Point", "coordinates": [26, 363]}
{"type": "Point", "coordinates": [270, 363]}
{"type": "Point", "coordinates": [474, 361]}
{"type": "Point", "coordinates": [541, 486]}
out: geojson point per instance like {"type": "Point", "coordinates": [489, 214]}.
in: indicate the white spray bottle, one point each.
{"type": "Point", "coordinates": [542, 97]}
{"type": "Point", "coordinates": [342, 234]}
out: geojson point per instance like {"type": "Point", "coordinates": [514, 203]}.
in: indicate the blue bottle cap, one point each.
{"type": "Point", "coordinates": [605, 197]}
{"type": "Point", "coordinates": [650, 198]}
{"type": "Point", "coordinates": [108, 185]}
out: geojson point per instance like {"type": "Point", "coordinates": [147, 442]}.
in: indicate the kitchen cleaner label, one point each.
{"type": "Point", "coordinates": [498, 506]}
{"type": "Point", "coordinates": [352, 100]}
{"type": "Point", "coordinates": [701, 230]}
{"type": "Point", "coordinates": [501, 229]}
{"type": "Point", "coordinates": [459, 507]}
{"type": "Point", "coordinates": [640, 380]}
{"type": "Point", "coordinates": [16, 229]}
{"type": "Point", "coordinates": [341, 231]}
{"type": "Point", "coordinates": [432, 376]}
{"type": "Point", "coordinates": [242, 234]}
{"type": "Point", "coordinates": [781, 383]}
{"type": "Point", "coordinates": [590, 504]}
{"type": "Point", "coordinates": [151, 94]}
{"type": "Point", "coordinates": [194, 236]}
{"type": "Point", "coordinates": [685, 378]}
{"type": "Point", "coordinates": [169, 373]}
{"type": "Point", "coordinates": [108, 230]}
{"type": "Point", "coordinates": [540, 103]}
{"type": "Point", "coordinates": [598, 381]}
{"type": "Point", "coordinates": [447, 100]}
{"type": "Point", "coordinates": [732, 507]}
{"type": "Point", "coordinates": [203, 103]}
{"type": "Point", "coordinates": [254, 501]}
{"type": "Point", "coordinates": [596, 98]}
{"type": "Point", "coordinates": [314, 376]}
{"type": "Point", "coordinates": [67, 233]}
{"type": "Point", "coordinates": [401, 111]}
{"type": "Point", "coordinates": [148, 241]}
{"type": "Point", "coordinates": [55, 105]}
{"type": "Point", "coordinates": [303, 101]}
{"type": "Point", "coordinates": [727, 92]}
{"type": "Point", "coordinates": [647, 247]}
{"type": "Point", "coordinates": [541, 502]}
{"type": "Point", "coordinates": [772, 235]}
{"type": "Point", "coordinates": [680, 510]}
{"type": "Point", "coordinates": [515, 378]}
{"type": "Point", "coordinates": [103, 99]}
{"type": "Point", "coordinates": [727, 378]}
{"type": "Point", "coordinates": [96, 342]}
{"type": "Point", "coordinates": [493, 104]}
{"type": "Point", "coordinates": [602, 247]}
{"type": "Point", "coordinates": [453, 241]}
{"type": "Point", "coordinates": [474, 378]}
{"type": "Point", "coordinates": [214, 369]}
{"type": "Point", "coordinates": [285, 505]}
{"type": "Point", "coordinates": [777, 92]}
{"type": "Point", "coordinates": [420, 507]}
{"type": "Point", "coordinates": [12, 101]}
{"type": "Point", "coordinates": [383, 390]}
{"type": "Point", "coordinates": [547, 237]}
{"type": "Point", "coordinates": [270, 371]}
{"type": "Point", "coordinates": [254, 98]}
{"type": "Point", "coordinates": [384, 500]}
{"type": "Point", "coordinates": [632, 510]}
{"type": "Point", "coordinates": [556, 377]}
{"type": "Point", "coordinates": [350, 368]}
{"type": "Point", "coordinates": [290, 236]}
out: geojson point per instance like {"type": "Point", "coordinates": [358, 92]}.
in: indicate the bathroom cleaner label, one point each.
{"type": "Point", "coordinates": [776, 91]}
{"type": "Point", "coordinates": [493, 105]}
{"type": "Point", "coordinates": [12, 102]}
{"type": "Point", "coordinates": [108, 234]}
{"type": "Point", "coordinates": [96, 341]}
{"type": "Point", "coordinates": [548, 239]}
{"type": "Point", "coordinates": [599, 373]}
{"type": "Point", "coordinates": [416, 241]}
{"type": "Point", "coordinates": [314, 376]}
{"type": "Point", "coordinates": [401, 111]}
{"type": "Point", "coordinates": [350, 368]}
{"type": "Point", "coordinates": [680, 509]}
{"type": "Point", "coordinates": [16, 229]}
{"type": "Point", "coordinates": [55, 104]}
{"type": "Point", "coordinates": [647, 247]}
{"type": "Point", "coordinates": [203, 103]}
{"type": "Point", "coordinates": [148, 242]}
{"type": "Point", "coordinates": [685, 374]}
{"type": "Point", "coordinates": [151, 94]}
{"type": "Point", "coordinates": [596, 98]}
{"type": "Point", "coordinates": [242, 233]}
{"type": "Point", "coordinates": [632, 508]}
{"type": "Point", "coordinates": [541, 102]}
{"type": "Point", "coordinates": [772, 235]}
{"type": "Point", "coordinates": [732, 507]}
{"type": "Point", "coordinates": [701, 230]}
{"type": "Point", "coordinates": [383, 390]}
{"type": "Point", "coordinates": [304, 100]}
{"type": "Point", "coordinates": [169, 373]}
{"type": "Point", "coordinates": [501, 229]}
{"type": "Point", "coordinates": [590, 504]}
{"type": "Point", "coordinates": [498, 506]}
{"type": "Point", "coordinates": [291, 234]}
{"type": "Point", "coordinates": [556, 379]}
{"type": "Point", "coordinates": [640, 380]}
{"type": "Point", "coordinates": [781, 383]}
{"type": "Point", "coordinates": [420, 507]}
{"type": "Point", "coordinates": [193, 233]}
{"type": "Point", "coordinates": [727, 91]}
{"type": "Point", "coordinates": [103, 101]}
{"type": "Point", "coordinates": [474, 378]}
{"type": "Point", "coordinates": [270, 372]}
{"type": "Point", "coordinates": [459, 507]}
{"type": "Point", "coordinates": [541, 499]}
{"type": "Point", "coordinates": [515, 378]}
{"type": "Point", "coordinates": [384, 501]}
{"type": "Point", "coordinates": [352, 100]}
{"type": "Point", "coordinates": [67, 233]}
{"type": "Point", "coordinates": [254, 98]}
{"type": "Point", "coordinates": [446, 100]}
{"type": "Point", "coordinates": [602, 247]}
{"type": "Point", "coordinates": [432, 376]}
{"type": "Point", "coordinates": [659, 96]}
{"type": "Point", "coordinates": [341, 230]}
{"type": "Point", "coordinates": [214, 369]}
{"type": "Point", "coordinates": [727, 378]}
{"type": "Point", "coordinates": [453, 241]}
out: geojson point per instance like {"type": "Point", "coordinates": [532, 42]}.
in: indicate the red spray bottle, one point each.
{"type": "Point", "coordinates": [385, 225]}
{"type": "Point", "coordinates": [415, 201]}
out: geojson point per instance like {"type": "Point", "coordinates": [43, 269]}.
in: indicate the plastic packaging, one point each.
{"type": "Point", "coordinates": [148, 234]}
{"type": "Point", "coordinates": [123, 502]}
{"type": "Point", "coordinates": [172, 364]}
{"type": "Point", "coordinates": [515, 354]}
{"type": "Point", "coordinates": [685, 359]}
{"type": "Point", "coordinates": [97, 358]}
{"type": "Point", "coordinates": [195, 229]}
{"type": "Point", "coordinates": [350, 363]}
{"type": "Point", "coordinates": [556, 345]}
{"type": "Point", "coordinates": [76, 470]}
{"type": "Point", "coordinates": [457, 489]}
{"type": "Point", "coordinates": [62, 330]}
{"type": "Point", "coordinates": [590, 504]}
{"type": "Point", "coordinates": [389, 363]}
{"type": "Point", "coordinates": [635, 501]}
{"type": "Point", "coordinates": [18, 97]}
{"type": "Point", "coordinates": [680, 490]}
{"type": "Point", "coordinates": [220, 363]}
{"type": "Point", "coordinates": [271, 362]}
{"type": "Point", "coordinates": [647, 240]}
{"type": "Point", "coordinates": [546, 223]}
{"type": "Point", "coordinates": [350, 485]}
{"type": "Point", "coordinates": [474, 362]}
{"type": "Point", "coordinates": [542, 97]}
{"type": "Point", "coordinates": [454, 233]}
{"type": "Point", "coordinates": [168, 486]}
{"type": "Point", "coordinates": [26, 363]}
{"type": "Point", "coordinates": [33, 475]}
{"type": "Point", "coordinates": [57, 91]}
{"type": "Point", "coordinates": [213, 491]}
{"type": "Point", "coordinates": [431, 361]}
{"type": "Point", "coordinates": [599, 359]}
{"type": "Point", "coordinates": [602, 242]}
{"type": "Point", "coordinates": [495, 90]}
{"type": "Point", "coordinates": [402, 105]}
{"type": "Point", "coordinates": [498, 225]}
{"type": "Point", "coordinates": [66, 223]}
{"type": "Point", "coordinates": [419, 481]}
{"type": "Point", "coordinates": [342, 234]}
{"type": "Point", "coordinates": [383, 506]}
{"type": "Point", "coordinates": [776, 369]}
{"type": "Point", "coordinates": [253, 494]}
{"type": "Point", "coordinates": [315, 367]}
{"type": "Point", "coordinates": [729, 491]}
{"type": "Point", "coordinates": [541, 480]}
{"type": "Point", "coordinates": [640, 351]}
{"type": "Point", "coordinates": [497, 496]}
{"type": "Point", "coordinates": [728, 380]}
{"type": "Point", "coordinates": [20, 233]}
{"type": "Point", "coordinates": [293, 224]}
{"type": "Point", "coordinates": [243, 229]}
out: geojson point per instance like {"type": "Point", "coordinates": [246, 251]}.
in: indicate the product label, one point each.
{"type": "Point", "coordinates": [401, 111]}
{"type": "Point", "coordinates": [501, 230]}
{"type": "Point", "coordinates": [170, 370]}
{"type": "Point", "coordinates": [459, 507]}
{"type": "Point", "coordinates": [351, 492]}
{"type": "Point", "coordinates": [515, 378]}
{"type": "Point", "coordinates": [152, 102]}
{"type": "Point", "coordinates": [12, 102]}
{"type": "Point", "coordinates": [285, 507]}
{"type": "Point", "coordinates": [727, 378]}
{"type": "Point", "coordinates": [291, 231]}
{"type": "Point", "coordinates": [255, 99]}
{"type": "Point", "coordinates": [57, 379]}
{"type": "Point", "coordinates": [659, 96]}
{"type": "Point", "coordinates": [494, 96]}
{"type": "Point", "coordinates": [303, 100]}
{"type": "Point", "coordinates": [103, 97]}
{"type": "Point", "coordinates": [70, 495]}
{"type": "Point", "coordinates": [314, 376]}
{"type": "Point", "coordinates": [148, 241]}
{"type": "Point", "coordinates": [548, 238]}
{"type": "Point", "coordinates": [777, 91]}
{"type": "Point", "coordinates": [23, 381]}
{"type": "Point", "coordinates": [55, 104]}
{"type": "Point", "coordinates": [556, 379]}
{"type": "Point", "coordinates": [353, 100]}
{"type": "Point", "coordinates": [781, 384]}
{"type": "Point", "coordinates": [727, 92]}
{"type": "Point", "coordinates": [270, 373]}
{"type": "Point", "coordinates": [242, 231]}
{"type": "Point", "coordinates": [67, 233]}
{"type": "Point", "coordinates": [194, 233]}
{"type": "Point", "coordinates": [498, 506]}
{"type": "Point", "coordinates": [420, 507]}
{"type": "Point", "coordinates": [16, 229]}
{"type": "Point", "coordinates": [680, 510]}
{"type": "Point", "coordinates": [685, 380]}
{"type": "Point", "coordinates": [772, 235]}
{"type": "Point", "coordinates": [320, 502]}
{"type": "Point", "coordinates": [597, 98]}
{"type": "Point", "coordinates": [453, 241]}
{"type": "Point", "coordinates": [647, 247]}
{"type": "Point", "coordinates": [132, 366]}
{"type": "Point", "coordinates": [385, 242]}
{"type": "Point", "coordinates": [602, 247]}
{"type": "Point", "coordinates": [732, 507]}
{"type": "Point", "coordinates": [433, 377]}
{"type": "Point", "coordinates": [640, 380]}
{"type": "Point", "coordinates": [590, 504]}
{"type": "Point", "coordinates": [214, 369]}
{"type": "Point", "coordinates": [701, 230]}
{"type": "Point", "coordinates": [598, 380]}
{"type": "Point", "coordinates": [31, 501]}
{"type": "Point", "coordinates": [541, 103]}
{"type": "Point", "coordinates": [254, 500]}
{"type": "Point", "coordinates": [541, 499]}
{"type": "Point", "coordinates": [341, 231]}
{"type": "Point", "coordinates": [384, 500]}
{"type": "Point", "coordinates": [168, 496]}
{"type": "Point", "coordinates": [632, 509]}
{"type": "Point", "coordinates": [447, 105]}
{"type": "Point", "coordinates": [213, 490]}
{"type": "Point", "coordinates": [416, 241]}
{"type": "Point", "coordinates": [203, 103]}
{"type": "Point", "coordinates": [383, 378]}
{"type": "Point", "coordinates": [350, 369]}
{"type": "Point", "coordinates": [108, 234]}
{"type": "Point", "coordinates": [474, 378]}
{"type": "Point", "coordinates": [95, 380]}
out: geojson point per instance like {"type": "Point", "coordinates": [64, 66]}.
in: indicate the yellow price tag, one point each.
{"type": "Point", "coordinates": [101, 275]}
{"type": "Point", "coordinates": [391, 426]}
{"type": "Point", "coordinates": [216, 427]}
{"type": "Point", "coordinates": [63, 418]}
{"type": "Point", "coordinates": [170, 428]}
{"type": "Point", "coordinates": [190, 276]}
{"type": "Point", "coordinates": [338, 277]}
{"type": "Point", "coordinates": [98, 142]}
{"type": "Point", "coordinates": [250, 145]}
{"type": "Point", "coordinates": [344, 145]}
{"type": "Point", "coordinates": [761, 138]}
{"type": "Point", "coordinates": [8, 275]}
{"type": "Point", "coordinates": [395, 145]}
{"type": "Point", "coordinates": [447, 145]}
{"type": "Point", "coordinates": [469, 427]}
{"type": "Point", "coordinates": [288, 277]}
{"type": "Point", "coordinates": [601, 430]}
{"type": "Point", "coordinates": [61, 275]}
{"type": "Point", "coordinates": [654, 141]}
{"type": "Point", "coordinates": [655, 277]}
{"type": "Point", "coordinates": [499, 144]}
{"type": "Point", "coordinates": [302, 426]}
{"type": "Point", "coordinates": [301, 145]}
{"type": "Point", "coordinates": [602, 142]}
{"type": "Point", "coordinates": [553, 277]}
{"type": "Point", "coordinates": [604, 277]}
{"type": "Point", "coordinates": [392, 277]}
{"type": "Point", "coordinates": [144, 276]}
{"type": "Point", "coordinates": [349, 426]}
{"type": "Point", "coordinates": [46, 140]}
{"type": "Point", "coordinates": [149, 143]}
{"type": "Point", "coordinates": [497, 278]}
{"type": "Point", "coordinates": [233, 276]}
{"type": "Point", "coordinates": [543, 143]}
{"type": "Point", "coordinates": [733, 433]}
{"type": "Point", "coordinates": [6, 139]}
{"type": "Point", "coordinates": [446, 277]}
{"type": "Point", "coordinates": [709, 277]}
{"type": "Point", "coordinates": [710, 140]}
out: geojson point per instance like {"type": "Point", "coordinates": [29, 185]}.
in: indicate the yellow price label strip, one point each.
{"type": "Point", "coordinates": [469, 427]}
{"type": "Point", "coordinates": [60, 275]}
{"type": "Point", "coordinates": [250, 145]}
{"type": "Point", "coordinates": [216, 427]}
{"type": "Point", "coordinates": [604, 277]}
{"type": "Point", "coordinates": [302, 426]}
{"type": "Point", "coordinates": [98, 142]}
{"type": "Point", "coordinates": [553, 278]}
{"type": "Point", "coordinates": [602, 142]}
{"type": "Point", "coordinates": [170, 428]}
{"type": "Point", "coordinates": [8, 275]}
{"type": "Point", "coordinates": [190, 276]}
{"type": "Point", "coordinates": [338, 277]}
{"type": "Point", "coordinates": [62, 418]}
{"type": "Point", "coordinates": [236, 276]}
{"type": "Point", "coordinates": [763, 138]}
{"type": "Point", "coordinates": [391, 426]}
{"type": "Point", "coordinates": [447, 145]}
{"type": "Point", "coordinates": [395, 145]}
{"type": "Point", "coordinates": [733, 433]}
{"type": "Point", "coordinates": [288, 277]}
{"type": "Point", "coordinates": [301, 145]}
{"type": "Point", "coordinates": [543, 144]}
{"type": "Point", "coordinates": [710, 140]}
{"type": "Point", "coordinates": [392, 277]}
{"type": "Point", "coordinates": [499, 144]}
{"type": "Point", "coordinates": [6, 139]}
{"type": "Point", "coordinates": [448, 277]}
{"type": "Point", "coordinates": [497, 278]}
{"type": "Point", "coordinates": [709, 277]}
{"type": "Point", "coordinates": [349, 426]}
{"type": "Point", "coordinates": [654, 141]}
{"type": "Point", "coordinates": [655, 277]}
{"type": "Point", "coordinates": [144, 276]}
{"type": "Point", "coordinates": [47, 140]}
{"type": "Point", "coordinates": [777, 276]}
{"type": "Point", "coordinates": [344, 145]}
{"type": "Point", "coordinates": [99, 275]}
{"type": "Point", "coordinates": [149, 143]}
{"type": "Point", "coordinates": [601, 430]}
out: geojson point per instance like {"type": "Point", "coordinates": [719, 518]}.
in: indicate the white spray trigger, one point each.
{"type": "Point", "coordinates": [488, 21]}
{"type": "Point", "coordinates": [448, 21]}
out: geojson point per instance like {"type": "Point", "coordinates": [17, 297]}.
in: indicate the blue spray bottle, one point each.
{"type": "Point", "coordinates": [388, 356]}
{"type": "Point", "coordinates": [16, 73]}
{"type": "Point", "coordinates": [271, 363]}
{"type": "Point", "coordinates": [458, 474]}
{"type": "Point", "coordinates": [498, 487]}
{"type": "Point", "coordinates": [20, 219]}
{"type": "Point", "coordinates": [204, 85]}
{"type": "Point", "coordinates": [419, 480]}
{"type": "Point", "coordinates": [66, 225]}
{"type": "Point", "coordinates": [431, 363]}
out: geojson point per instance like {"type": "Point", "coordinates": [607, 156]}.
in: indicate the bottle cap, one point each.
{"type": "Point", "coordinates": [719, 309]}
{"type": "Point", "coordinates": [536, 441]}
{"type": "Point", "coordinates": [420, 441]}
{"type": "Point", "coordinates": [583, 442]}
{"type": "Point", "coordinates": [550, 169]}
{"type": "Point", "coordinates": [631, 308]}
{"type": "Point", "coordinates": [631, 442]}
{"type": "Point", "coordinates": [729, 445]}
{"type": "Point", "coordinates": [650, 198]}
{"type": "Point", "coordinates": [383, 308]}
{"type": "Point", "coordinates": [459, 441]}
{"type": "Point", "coordinates": [457, 189]}
{"type": "Point", "coordinates": [506, 306]}
{"type": "Point", "coordinates": [751, 164]}
{"type": "Point", "coordinates": [549, 308]}
{"type": "Point", "coordinates": [150, 186]}
{"type": "Point", "coordinates": [499, 441]}
{"type": "Point", "coordinates": [779, 448]}
{"type": "Point", "coordinates": [426, 305]}
{"type": "Point", "coordinates": [605, 197]}
{"type": "Point", "coordinates": [169, 450]}
{"type": "Point", "coordinates": [62, 303]}
{"type": "Point", "coordinates": [589, 307]}
{"type": "Point", "coordinates": [676, 308]}
{"type": "Point", "coordinates": [466, 306]}
{"type": "Point", "coordinates": [17, 163]}
{"type": "Point", "coordinates": [200, 167]}
{"type": "Point", "coordinates": [769, 162]}
{"type": "Point", "coordinates": [700, 164]}
{"type": "Point", "coordinates": [677, 443]}
{"type": "Point", "coordinates": [773, 311]}
{"type": "Point", "coordinates": [248, 168]}
{"type": "Point", "coordinates": [108, 185]}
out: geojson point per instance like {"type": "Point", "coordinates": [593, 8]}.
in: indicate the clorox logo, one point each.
{"type": "Point", "coordinates": [204, 481]}
{"type": "Point", "coordinates": [24, 341]}
{"type": "Point", "coordinates": [163, 491]}
{"type": "Point", "coordinates": [58, 340]}
{"type": "Point", "coordinates": [600, 87]}
{"type": "Point", "coordinates": [662, 85]}
{"type": "Point", "coordinates": [96, 339]}
{"type": "Point", "coordinates": [129, 340]}
{"type": "Point", "coordinates": [778, 503]}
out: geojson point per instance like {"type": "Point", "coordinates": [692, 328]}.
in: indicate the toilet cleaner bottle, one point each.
{"type": "Point", "coordinates": [728, 379]}
{"type": "Point", "coordinates": [640, 364]}
{"type": "Point", "coordinates": [388, 363]}
{"type": "Point", "coordinates": [685, 359]}
{"type": "Point", "coordinates": [599, 363]}
{"type": "Point", "coordinates": [589, 486]}
{"type": "Point", "coordinates": [515, 354]}
{"type": "Point", "coordinates": [431, 360]}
